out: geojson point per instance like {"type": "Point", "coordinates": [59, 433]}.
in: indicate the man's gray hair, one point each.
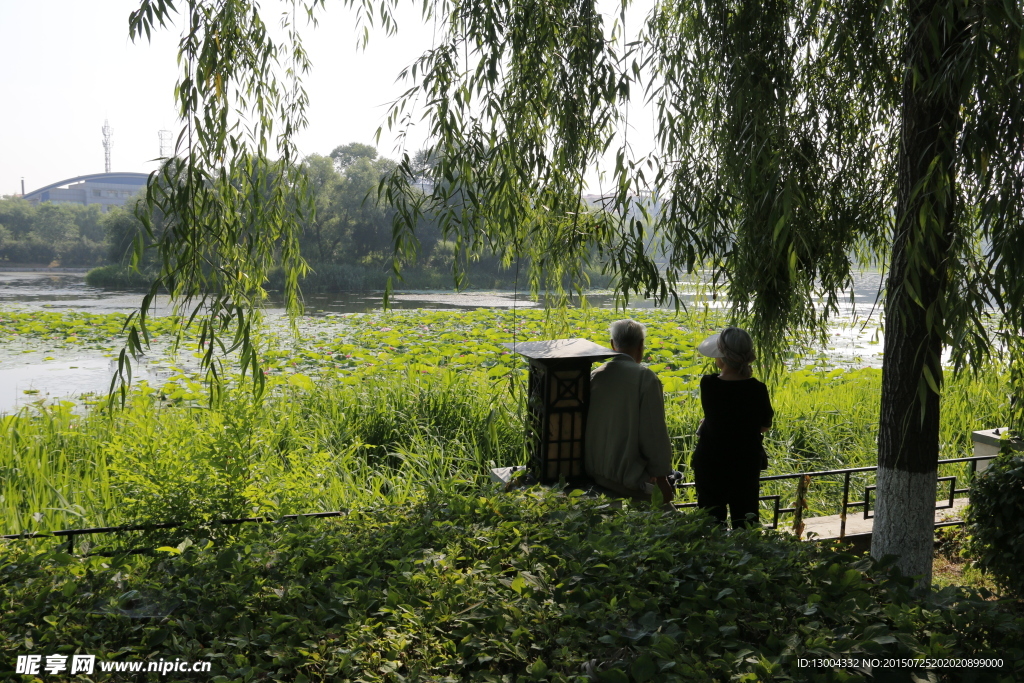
{"type": "Point", "coordinates": [627, 334]}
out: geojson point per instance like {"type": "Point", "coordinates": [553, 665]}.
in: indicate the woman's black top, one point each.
{"type": "Point", "coordinates": [735, 411]}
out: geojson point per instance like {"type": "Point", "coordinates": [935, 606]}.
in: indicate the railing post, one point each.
{"type": "Point", "coordinates": [801, 503]}
{"type": "Point", "coordinates": [846, 501]}
{"type": "Point", "coordinates": [804, 482]}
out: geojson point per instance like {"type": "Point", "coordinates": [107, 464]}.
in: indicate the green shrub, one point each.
{"type": "Point", "coordinates": [518, 587]}
{"type": "Point", "coordinates": [996, 520]}
{"type": "Point", "coordinates": [118, 277]}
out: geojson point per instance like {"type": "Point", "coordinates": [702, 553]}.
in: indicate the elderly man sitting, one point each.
{"type": "Point", "coordinates": [627, 445]}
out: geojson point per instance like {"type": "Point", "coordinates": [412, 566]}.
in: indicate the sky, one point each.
{"type": "Point", "coordinates": [68, 66]}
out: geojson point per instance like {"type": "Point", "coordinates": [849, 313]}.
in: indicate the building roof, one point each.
{"type": "Point", "coordinates": [124, 178]}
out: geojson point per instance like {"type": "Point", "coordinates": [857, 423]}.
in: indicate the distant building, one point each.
{"type": "Point", "coordinates": [104, 189]}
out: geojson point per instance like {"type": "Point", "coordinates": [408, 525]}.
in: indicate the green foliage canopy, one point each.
{"type": "Point", "coordinates": [345, 155]}
{"type": "Point", "coordinates": [777, 129]}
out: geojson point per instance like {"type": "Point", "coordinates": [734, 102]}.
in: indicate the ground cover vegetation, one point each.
{"type": "Point", "coordinates": [479, 586]}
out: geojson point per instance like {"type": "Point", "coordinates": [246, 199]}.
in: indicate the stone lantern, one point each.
{"type": "Point", "coordinates": [558, 398]}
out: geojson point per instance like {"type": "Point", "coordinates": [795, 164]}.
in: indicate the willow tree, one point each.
{"type": "Point", "coordinates": [800, 136]}
{"type": "Point", "coordinates": [795, 139]}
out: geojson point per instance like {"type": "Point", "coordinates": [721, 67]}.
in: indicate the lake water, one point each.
{"type": "Point", "coordinates": [29, 374]}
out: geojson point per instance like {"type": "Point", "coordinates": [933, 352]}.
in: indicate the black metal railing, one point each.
{"type": "Point", "coordinates": [805, 478]}
{"type": "Point", "coordinates": [803, 485]}
{"type": "Point", "coordinates": [70, 534]}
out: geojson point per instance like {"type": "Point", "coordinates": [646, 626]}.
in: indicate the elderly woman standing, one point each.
{"type": "Point", "coordinates": [737, 411]}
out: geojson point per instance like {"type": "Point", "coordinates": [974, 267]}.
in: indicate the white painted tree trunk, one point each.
{"type": "Point", "coordinates": [904, 520]}
{"type": "Point", "coordinates": [918, 295]}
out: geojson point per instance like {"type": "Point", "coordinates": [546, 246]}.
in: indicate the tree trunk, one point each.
{"type": "Point", "coordinates": [926, 208]}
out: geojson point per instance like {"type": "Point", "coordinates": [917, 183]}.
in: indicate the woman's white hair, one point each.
{"type": "Point", "coordinates": [627, 334]}
{"type": "Point", "coordinates": [738, 348]}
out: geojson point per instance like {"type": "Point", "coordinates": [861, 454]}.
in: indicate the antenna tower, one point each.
{"type": "Point", "coordinates": [165, 143]}
{"type": "Point", "coordinates": [108, 144]}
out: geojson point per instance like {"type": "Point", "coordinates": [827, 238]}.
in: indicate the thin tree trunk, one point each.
{"type": "Point", "coordinates": [908, 439]}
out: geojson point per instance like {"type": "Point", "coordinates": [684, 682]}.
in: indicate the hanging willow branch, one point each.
{"type": "Point", "coordinates": [774, 169]}
{"type": "Point", "coordinates": [523, 98]}
{"type": "Point", "coordinates": [778, 131]}
{"type": "Point", "coordinates": [230, 212]}
{"type": "Point", "coordinates": [773, 151]}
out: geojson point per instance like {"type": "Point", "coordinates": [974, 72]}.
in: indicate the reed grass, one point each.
{"type": "Point", "coordinates": [330, 448]}
{"type": "Point", "coordinates": [828, 419]}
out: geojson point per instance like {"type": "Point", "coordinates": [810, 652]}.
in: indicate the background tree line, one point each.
{"type": "Point", "coordinates": [52, 234]}
{"type": "Point", "coordinates": [347, 240]}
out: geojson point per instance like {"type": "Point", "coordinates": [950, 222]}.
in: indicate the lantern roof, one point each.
{"type": "Point", "coordinates": [554, 349]}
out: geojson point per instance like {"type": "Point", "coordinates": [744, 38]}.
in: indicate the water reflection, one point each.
{"type": "Point", "coordinates": [66, 377]}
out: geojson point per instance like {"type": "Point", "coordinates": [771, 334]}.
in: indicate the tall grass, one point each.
{"type": "Point", "coordinates": [53, 472]}
{"type": "Point", "coordinates": [300, 451]}
{"type": "Point", "coordinates": [828, 420]}
{"type": "Point", "coordinates": [385, 436]}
